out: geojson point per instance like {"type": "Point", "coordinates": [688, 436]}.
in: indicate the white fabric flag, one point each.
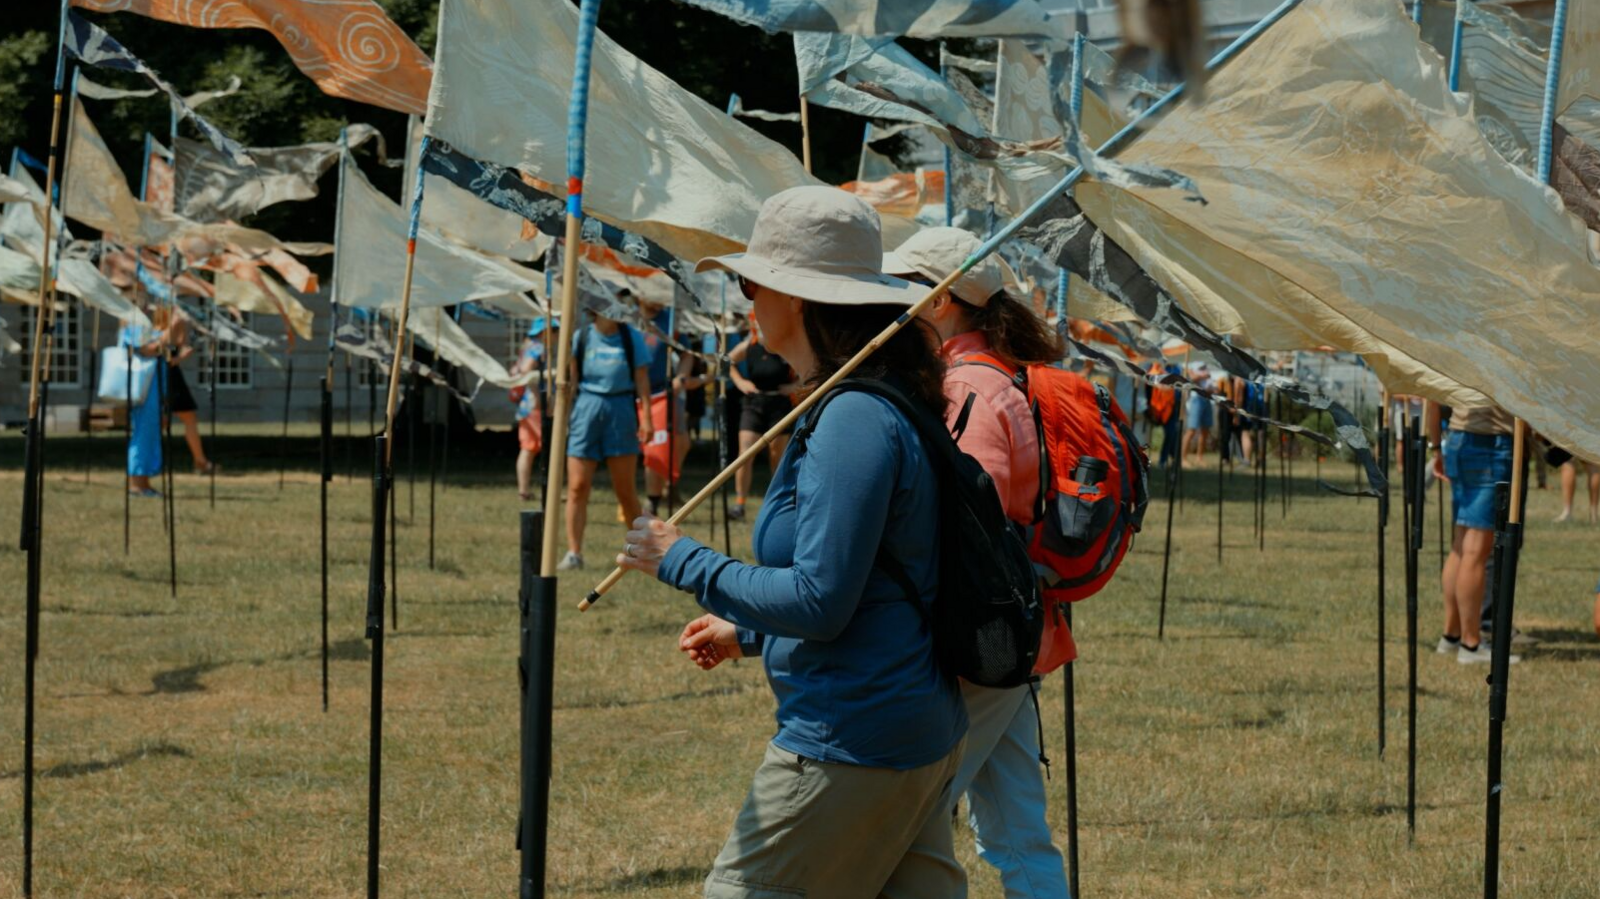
{"type": "Point", "coordinates": [98, 195]}
{"type": "Point", "coordinates": [21, 230]}
{"type": "Point", "coordinates": [662, 163]}
{"type": "Point", "coordinates": [1355, 203]}
{"type": "Point", "coordinates": [370, 260]}
{"type": "Point", "coordinates": [447, 338]}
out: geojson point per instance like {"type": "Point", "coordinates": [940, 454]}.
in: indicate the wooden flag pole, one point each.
{"type": "Point", "coordinates": [805, 133]}
{"type": "Point", "coordinates": [1117, 142]}
{"type": "Point", "coordinates": [538, 596]}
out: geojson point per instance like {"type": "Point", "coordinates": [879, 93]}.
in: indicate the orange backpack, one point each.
{"type": "Point", "coordinates": [1081, 529]}
{"type": "Point", "coordinates": [1163, 400]}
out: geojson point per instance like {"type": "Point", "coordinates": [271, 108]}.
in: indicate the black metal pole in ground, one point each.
{"type": "Point", "coordinates": [1383, 523]}
{"type": "Point", "coordinates": [536, 667]}
{"type": "Point", "coordinates": [94, 384]}
{"type": "Point", "coordinates": [382, 486]}
{"type": "Point", "coordinates": [433, 483]}
{"type": "Point", "coordinates": [31, 522]}
{"type": "Point", "coordinates": [127, 478]}
{"type": "Point", "coordinates": [1166, 554]}
{"type": "Point", "coordinates": [1416, 488]}
{"type": "Point", "coordinates": [1512, 499]}
{"type": "Point", "coordinates": [1220, 487]}
{"type": "Point", "coordinates": [1261, 490]}
{"type": "Point", "coordinates": [1072, 765]}
{"type": "Point", "coordinates": [283, 444]}
{"type": "Point", "coordinates": [327, 475]}
{"type": "Point", "coordinates": [211, 398]}
{"type": "Point", "coordinates": [1283, 463]}
{"type": "Point", "coordinates": [413, 416]}
{"type": "Point", "coordinates": [394, 555]}
{"type": "Point", "coordinates": [349, 421]}
{"type": "Point", "coordinates": [167, 471]}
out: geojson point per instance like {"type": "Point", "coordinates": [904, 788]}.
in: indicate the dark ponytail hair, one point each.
{"type": "Point", "coordinates": [1016, 334]}
{"type": "Point", "coordinates": [837, 333]}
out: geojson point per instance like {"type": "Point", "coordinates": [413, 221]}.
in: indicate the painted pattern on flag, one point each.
{"type": "Point", "coordinates": [929, 19]}
{"type": "Point", "coordinates": [348, 47]}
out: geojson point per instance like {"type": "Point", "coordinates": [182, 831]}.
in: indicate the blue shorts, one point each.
{"type": "Point", "coordinates": [1201, 413]}
{"type": "Point", "coordinates": [603, 427]}
{"type": "Point", "coordinates": [1474, 463]}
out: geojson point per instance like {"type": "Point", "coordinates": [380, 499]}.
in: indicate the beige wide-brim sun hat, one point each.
{"type": "Point", "coordinates": [819, 244]}
{"type": "Point", "coordinates": [934, 253]}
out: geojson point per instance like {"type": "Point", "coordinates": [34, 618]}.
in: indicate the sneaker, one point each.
{"type": "Point", "coordinates": [1482, 655]}
{"type": "Point", "coordinates": [736, 513]}
{"type": "Point", "coordinates": [570, 562]}
{"type": "Point", "coordinates": [1447, 645]}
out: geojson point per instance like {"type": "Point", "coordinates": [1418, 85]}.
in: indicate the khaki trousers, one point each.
{"type": "Point", "coordinates": [828, 831]}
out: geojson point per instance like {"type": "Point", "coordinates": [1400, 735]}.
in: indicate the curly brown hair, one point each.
{"type": "Point", "coordinates": [837, 333]}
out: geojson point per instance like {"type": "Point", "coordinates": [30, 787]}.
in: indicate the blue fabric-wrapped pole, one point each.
{"type": "Point", "coordinates": [577, 125]}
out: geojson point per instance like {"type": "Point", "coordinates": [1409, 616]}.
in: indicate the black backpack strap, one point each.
{"type": "Point", "coordinates": [960, 427]}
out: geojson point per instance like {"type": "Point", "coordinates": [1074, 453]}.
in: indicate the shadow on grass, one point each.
{"type": "Point", "coordinates": [79, 769]}
{"type": "Point", "coordinates": [181, 680]}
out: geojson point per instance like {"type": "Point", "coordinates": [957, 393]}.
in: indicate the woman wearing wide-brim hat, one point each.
{"type": "Point", "coordinates": [852, 798]}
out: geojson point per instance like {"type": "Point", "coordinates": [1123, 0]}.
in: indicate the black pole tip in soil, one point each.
{"type": "Point", "coordinates": [1072, 763]}
{"type": "Point", "coordinates": [327, 475]}
{"type": "Point", "coordinates": [536, 669]}
{"type": "Point", "coordinates": [381, 483]}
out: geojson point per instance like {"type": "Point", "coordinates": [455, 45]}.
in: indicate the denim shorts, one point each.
{"type": "Point", "coordinates": [603, 427]}
{"type": "Point", "coordinates": [1201, 412]}
{"type": "Point", "coordinates": [1474, 463]}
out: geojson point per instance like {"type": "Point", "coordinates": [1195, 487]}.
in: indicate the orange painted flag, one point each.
{"type": "Point", "coordinates": [348, 47]}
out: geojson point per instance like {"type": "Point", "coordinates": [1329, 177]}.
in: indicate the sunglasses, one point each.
{"type": "Point", "coordinates": [748, 288]}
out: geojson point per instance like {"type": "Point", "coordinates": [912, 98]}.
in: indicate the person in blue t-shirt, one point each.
{"type": "Point", "coordinates": [853, 797]}
{"type": "Point", "coordinates": [610, 421]}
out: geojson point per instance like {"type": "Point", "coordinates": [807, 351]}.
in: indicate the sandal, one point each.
{"type": "Point", "coordinates": [148, 493]}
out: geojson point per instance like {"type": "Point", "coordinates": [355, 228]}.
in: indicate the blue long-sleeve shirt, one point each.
{"type": "Point", "coordinates": [848, 655]}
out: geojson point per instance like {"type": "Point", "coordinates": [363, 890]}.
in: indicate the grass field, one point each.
{"type": "Point", "coordinates": [183, 751]}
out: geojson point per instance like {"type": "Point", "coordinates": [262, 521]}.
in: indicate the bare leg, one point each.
{"type": "Point", "coordinates": [1452, 564]}
{"type": "Point", "coordinates": [524, 472]}
{"type": "Point", "coordinates": [580, 480]}
{"type": "Point", "coordinates": [743, 477]}
{"type": "Point", "coordinates": [1594, 496]}
{"type": "Point", "coordinates": [622, 470]}
{"type": "Point", "coordinates": [138, 483]}
{"type": "Point", "coordinates": [191, 436]}
{"type": "Point", "coordinates": [1569, 486]}
{"type": "Point", "coordinates": [1475, 546]}
{"type": "Point", "coordinates": [1597, 614]}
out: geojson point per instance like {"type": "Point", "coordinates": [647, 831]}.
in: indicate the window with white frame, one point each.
{"type": "Point", "coordinates": [235, 365]}
{"type": "Point", "coordinates": [66, 349]}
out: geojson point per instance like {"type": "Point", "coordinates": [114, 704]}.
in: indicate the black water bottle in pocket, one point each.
{"type": "Point", "coordinates": [1081, 516]}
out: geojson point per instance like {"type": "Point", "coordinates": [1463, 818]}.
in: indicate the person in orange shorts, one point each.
{"type": "Point", "coordinates": [530, 412]}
